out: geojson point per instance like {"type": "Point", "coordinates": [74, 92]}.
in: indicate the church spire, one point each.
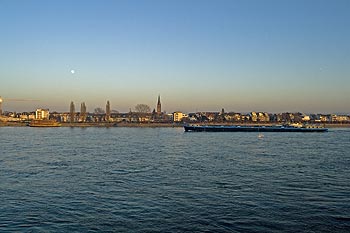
{"type": "Point", "coordinates": [159, 106]}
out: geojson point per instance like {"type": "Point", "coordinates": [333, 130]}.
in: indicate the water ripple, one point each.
{"type": "Point", "coordinates": [164, 180]}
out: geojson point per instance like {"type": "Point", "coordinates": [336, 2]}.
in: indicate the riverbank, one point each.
{"type": "Point", "coordinates": [99, 124]}
{"type": "Point", "coordinates": [149, 125]}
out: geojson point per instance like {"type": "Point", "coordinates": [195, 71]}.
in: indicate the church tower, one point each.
{"type": "Point", "coordinates": [159, 106]}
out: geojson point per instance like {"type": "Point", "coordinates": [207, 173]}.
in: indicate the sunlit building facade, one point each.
{"type": "Point", "coordinates": [41, 114]}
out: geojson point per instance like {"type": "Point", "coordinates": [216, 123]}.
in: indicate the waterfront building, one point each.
{"type": "Point", "coordinates": [177, 116]}
{"type": "Point", "coordinates": [0, 106]}
{"type": "Point", "coordinates": [340, 118]}
{"type": "Point", "coordinates": [263, 117]}
{"type": "Point", "coordinates": [306, 118]}
{"type": "Point", "coordinates": [254, 116]}
{"type": "Point", "coordinates": [325, 118]}
{"type": "Point", "coordinates": [144, 117]}
{"type": "Point", "coordinates": [42, 114]}
{"type": "Point", "coordinates": [23, 116]}
{"type": "Point", "coordinates": [120, 117]}
{"type": "Point", "coordinates": [211, 116]}
{"type": "Point", "coordinates": [192, 117]}
{"type": "Point", "coordinates": [232, 116]}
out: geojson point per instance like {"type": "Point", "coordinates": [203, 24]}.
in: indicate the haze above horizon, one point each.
{"type": "Point", "coordinates": [199, 55]}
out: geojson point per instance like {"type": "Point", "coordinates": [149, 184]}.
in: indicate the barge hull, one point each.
{"type": "Point", "coordinates": [251, 129]}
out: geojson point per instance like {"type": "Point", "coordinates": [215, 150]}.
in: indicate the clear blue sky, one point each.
{"type": "Point", "coordinates": [198, 55]}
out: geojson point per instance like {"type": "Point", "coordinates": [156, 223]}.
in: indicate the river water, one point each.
{"type": "Point", "coordinates": [165, 180]}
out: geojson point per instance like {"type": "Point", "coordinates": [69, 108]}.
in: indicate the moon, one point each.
{"type": "Point", "coordinates": [72, 71]}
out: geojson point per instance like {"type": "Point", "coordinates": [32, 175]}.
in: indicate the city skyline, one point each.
{"type": "Point", "coordinates": [243, 56]}
{"type": "Point", "coordinates": [141, 108]}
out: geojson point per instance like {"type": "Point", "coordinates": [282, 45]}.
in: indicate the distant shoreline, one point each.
{"type": "Point", "coordinates": [152, 125]}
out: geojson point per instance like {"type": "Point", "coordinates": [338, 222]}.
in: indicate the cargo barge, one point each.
{"type": "Point", "coordinates": [245, 128]}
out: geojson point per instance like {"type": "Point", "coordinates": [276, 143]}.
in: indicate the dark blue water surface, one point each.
{"type": "Point", "coordinates": [165, 180]}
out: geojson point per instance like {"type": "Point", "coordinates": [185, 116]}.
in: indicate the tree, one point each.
{"type": "Point", "coordinates": [83, 112]}
{"type": "Point", "coordinates": [99, 111]}
{"type": "Point", "coordinates": [108, 111]}
{"type": "Point", "coordinates": [142, 108]}
{"type": "Point", "coordinates": [72, 112]}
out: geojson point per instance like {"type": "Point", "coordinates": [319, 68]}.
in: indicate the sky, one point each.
{"type": "Point", "coordinates": [198, 55]}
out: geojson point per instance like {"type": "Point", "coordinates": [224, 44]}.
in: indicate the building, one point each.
{"type": "Point", "coordinates": [306, 118]}
{"type": "Point", "coordinates": [41, 114]}
{"type": "Point", "coordinates": [254, 116]}
{"type": "Point", "coordinates": [159, 106]}
{"type": "Point", "coordinates": [177, 116]}
{"type": "Point", "coordinates": [263, 117]}
{"type": "Point", "coordinates": [232, 116]}
{"type": "Point", "coordinates": [340, 118]}
{"type": "Point", "coordinates": [0, 106]}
